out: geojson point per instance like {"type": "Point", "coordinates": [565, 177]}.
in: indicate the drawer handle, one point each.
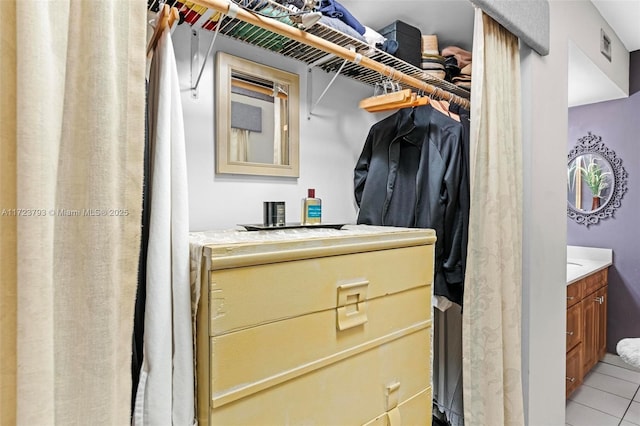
{"type": "Point", "coordinates": [600, 299]}
{"type": "Point", "coordinates": [571, 379]}
{"type": "Point", "coordinates": [570, 297]}
{"type": "Point", "coordinates": [392, 393]}
{"type": "Point", "coordinates": [570, 333]}
{"type": "Point", "coordinates": [352, 305]}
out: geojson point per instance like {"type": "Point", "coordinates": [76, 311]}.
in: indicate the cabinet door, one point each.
{"type": "Point", "coordinates": [574, 372]}
{"type": "Point", "coordinates": [590, 312]}
{"type": "Point", "coordinates": [601, 307]}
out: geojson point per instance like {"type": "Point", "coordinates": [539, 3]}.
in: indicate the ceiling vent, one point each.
{"type": "Point", "coordinates": [605, 44]}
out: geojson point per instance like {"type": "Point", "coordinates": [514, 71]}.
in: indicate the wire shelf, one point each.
{"type": "Point", "coordinates": [201, 17]}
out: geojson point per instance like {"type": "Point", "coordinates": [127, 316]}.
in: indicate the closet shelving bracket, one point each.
{"type": "Point", "coordinates": [232, 12]}
{"type": "Point", "coordinates": [310, 105]}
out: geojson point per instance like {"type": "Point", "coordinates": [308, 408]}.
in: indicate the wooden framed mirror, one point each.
{"type": "Point", "coordinates": [257, 118]}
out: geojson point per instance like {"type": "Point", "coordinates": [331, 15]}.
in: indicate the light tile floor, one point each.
{"type": "Point", "coordinates": [610, 395]}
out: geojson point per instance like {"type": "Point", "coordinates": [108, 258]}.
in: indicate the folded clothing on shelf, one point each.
{"type": "Point", "coordinates": [261, 37]}
{"type": "Point", "coordinates": [434, 65]}
{"type": "Point", "coordinates": [339, 25]}
{"type": "Point", "coordinates": [430, 45]}
{"type": "Point", "coordinates": [334, 9]}
{"type": "Point", "coordinates": [463, 57]}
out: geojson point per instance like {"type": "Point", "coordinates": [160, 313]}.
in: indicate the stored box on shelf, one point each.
{"type": "Point", "coordinates": [409, 41]}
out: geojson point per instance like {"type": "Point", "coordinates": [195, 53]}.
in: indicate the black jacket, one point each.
{"type": "Point", "coordinates": [409, 174]}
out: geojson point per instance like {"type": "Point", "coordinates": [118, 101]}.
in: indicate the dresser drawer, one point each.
{"type": "Point", "coordinates": [350, 391]}
{"type": "Point", "coordinates": [575, 324]}
{"type": "Point", "coordinates": [246, 296]}
{"type": "Point", "coordinates": [595, 281]}
{"type": "Point", "coordinates": [575, 293]}
{"type": "Point", "coordinates": [252, 359]}
{"type": "Point", "coordinates": [414, 411]}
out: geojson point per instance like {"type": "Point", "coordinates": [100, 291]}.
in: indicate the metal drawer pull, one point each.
{"type": "Point", "coordinates": [570, 297]}
{"type": "Point", "coordinates": [571, 379]}
{"type": "Point", "coordinates": [570, 333]}
{"type": "Point", "coordinates": [600, 299]}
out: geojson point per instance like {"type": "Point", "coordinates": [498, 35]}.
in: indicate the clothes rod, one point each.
{"type": "Point", "coordinates": [303, 37]}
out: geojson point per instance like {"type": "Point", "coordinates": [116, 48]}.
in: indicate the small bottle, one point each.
{"type": "Point", "coordinates": [311, 208]}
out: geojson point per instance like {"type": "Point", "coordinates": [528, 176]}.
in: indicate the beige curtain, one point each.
{"type": "Point", "coordinates": [277, 130]}
{"type": "Point", "coordinates": [239, 145]}
{"type": "Point", "coordinates": [72, 114]}
{"type": "Point", "coordinates": [492, 300]}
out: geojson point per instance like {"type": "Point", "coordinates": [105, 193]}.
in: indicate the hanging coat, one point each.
{"type": "Point", "coordinates": [409, 174]}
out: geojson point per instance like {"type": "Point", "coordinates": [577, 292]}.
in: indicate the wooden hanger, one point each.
{"type": "Point", "coordinates": [386, 101]}
{"type": "Point", "coordinates": [413, 101]}
{"type": "Point", "coordinates": [165, 19]}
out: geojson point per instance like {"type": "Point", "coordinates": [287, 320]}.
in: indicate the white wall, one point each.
{"type": "Point", "coordinates": [330, 143]}
{"type": "Point", "coordinates": [545, 115]}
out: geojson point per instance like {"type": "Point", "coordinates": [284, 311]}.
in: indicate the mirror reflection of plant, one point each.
{"type": "Point", "coordinates": [595, 178]}
{"type": "Point", "coordinates": [571, 175]}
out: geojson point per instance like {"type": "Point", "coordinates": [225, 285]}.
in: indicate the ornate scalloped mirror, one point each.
{"type": "Point", "coordinates": [596, 181]}
{"type": "Point", "coordinates": [257, 118]}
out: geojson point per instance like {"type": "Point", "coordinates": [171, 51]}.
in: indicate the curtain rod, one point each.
{"type": "Point", "coordinates": [224, 6]}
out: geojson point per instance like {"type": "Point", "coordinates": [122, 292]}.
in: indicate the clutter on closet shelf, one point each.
{"type": "Point", "coordinates": [296, 29]}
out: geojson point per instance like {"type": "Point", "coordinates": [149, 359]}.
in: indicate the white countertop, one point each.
{"type": "Point", "coordinates": [584, 261]}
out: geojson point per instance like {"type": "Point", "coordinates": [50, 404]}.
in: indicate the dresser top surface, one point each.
{"type": "Point", "coordinates": [235, 242]}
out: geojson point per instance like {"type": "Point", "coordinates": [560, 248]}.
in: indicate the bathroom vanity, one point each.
{"type": "Point", "coordinates": [587, 280]}
{"type": "Point", "coordinates": [315, 326]}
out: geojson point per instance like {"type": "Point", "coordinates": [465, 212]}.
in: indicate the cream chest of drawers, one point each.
{"type": "Point", "coordinates": [316, 327]}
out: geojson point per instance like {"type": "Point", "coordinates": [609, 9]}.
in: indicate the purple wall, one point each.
{"type": "Point", "coordinates": [618, 123]}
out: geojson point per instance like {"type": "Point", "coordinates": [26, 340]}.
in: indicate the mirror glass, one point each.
{"type": "Point", "coordinates": [590, 180]}
{"type": "Point", "coordinates": [596, 181]}
{"type": "Point", "coordinates": [257, 118]}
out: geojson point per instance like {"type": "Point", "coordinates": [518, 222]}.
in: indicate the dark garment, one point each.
{"type": "Point", "coordinates": [141, 291]}
{"type": "Point", "coordinates": [335, 10]}
{"type": "Point", "coordinates": [409, 175]}
{"type": "Point", "coordinates": [465, 189]}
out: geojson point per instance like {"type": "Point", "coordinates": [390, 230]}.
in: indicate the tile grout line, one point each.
{"type": "Point", "coordinates": [611, 393]}
{"type": "Point", "coordinates": [595, 409]}
{"type": "Point", "coordinates": [628, 406]}
{"type": "Point", "coordinates": [631, 400]}
{"type": "Point", "coordinates": [629, 368]}
{"type": "Point", "coordinates": [615, 377]}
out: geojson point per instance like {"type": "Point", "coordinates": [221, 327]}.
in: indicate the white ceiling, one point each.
{"type": "Point", "coordinates": [587, 83]}
{"type": "Point", "coordinates": [624, 18]}
{"type": "Point", "coordinates": [452, 21]}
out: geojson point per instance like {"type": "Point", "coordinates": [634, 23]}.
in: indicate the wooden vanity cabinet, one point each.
{"type": "Point", "coordinates": [586, 327]}
{"type": "Point", "coordinates": [595, 324]}
{"type": "Point", "coordinates": [312, 329]}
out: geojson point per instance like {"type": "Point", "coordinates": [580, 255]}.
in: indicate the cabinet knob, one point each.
{"type": "Point", "coordinates": [570, 297]}
{"type": "Point", "coordinates": [571, 379]}
{"type": "Point", "coordinates": [570, 333]}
